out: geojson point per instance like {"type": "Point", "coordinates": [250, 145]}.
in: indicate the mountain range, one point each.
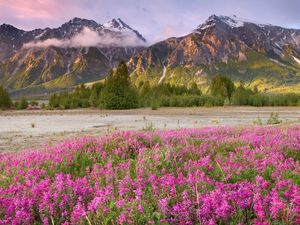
{"type": "Point", "coordinates": [45, 60]}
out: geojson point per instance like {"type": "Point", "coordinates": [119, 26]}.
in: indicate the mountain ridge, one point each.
{"type": "Point", "coordinates": [78, 51]}
{"type": "Point", "coordinates": [258, 55]}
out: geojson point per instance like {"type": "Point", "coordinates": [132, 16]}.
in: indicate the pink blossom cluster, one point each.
{"type": "Point", "coordinates": [188, 176]}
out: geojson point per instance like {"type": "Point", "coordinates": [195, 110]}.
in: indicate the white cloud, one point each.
{"type": "Point", "coordinates": [90, 38]}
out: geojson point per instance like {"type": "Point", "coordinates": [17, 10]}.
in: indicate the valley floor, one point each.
{"type": "Point", "coordinates": [31, 129]}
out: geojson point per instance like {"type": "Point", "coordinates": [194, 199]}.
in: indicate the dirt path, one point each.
{"type": "Point", "coordinates": [31, 129]}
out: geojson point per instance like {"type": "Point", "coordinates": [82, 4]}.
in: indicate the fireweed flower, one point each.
{"type": "Point", "coordinates": [187, 176]}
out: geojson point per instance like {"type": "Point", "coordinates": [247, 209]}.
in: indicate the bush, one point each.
{"type": "Point", "coordinates": [274, 118]}
{"type": "Point", "coordinates": [23, 104]}
{"type": "Point", "coordinates": [154, 105]}
{"type": "Point", "coordinates": [34, 103]}
{"type": "Point", "coordinates": [79, 98]}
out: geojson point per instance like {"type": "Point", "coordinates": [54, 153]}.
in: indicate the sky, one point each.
{"type": "Point", "coordinates": [154, 19]}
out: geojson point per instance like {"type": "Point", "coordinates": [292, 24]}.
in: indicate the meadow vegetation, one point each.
{"type": "Point", "coordinates": [186, 176]}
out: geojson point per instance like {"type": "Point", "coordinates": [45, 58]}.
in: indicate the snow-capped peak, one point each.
{"type": "Point", "coordinates": [232, 21]}
{"type": "Point", "coordinates": [116, 24]}
{"type": "Point", "coordinates": [213, 20]}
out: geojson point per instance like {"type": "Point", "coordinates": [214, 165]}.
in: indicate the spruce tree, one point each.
{"type": "Point", "coordinates": [5, 101]}
{"type": "Point", "coordinates": [118, 93]}
{"type": "Point", "coordinates": [222, 86]}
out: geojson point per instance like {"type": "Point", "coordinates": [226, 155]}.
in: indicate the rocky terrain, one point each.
{"type": "Point", "coordinates": [260, 55]}
{"type": "Point", "coordinates": [80, 51]}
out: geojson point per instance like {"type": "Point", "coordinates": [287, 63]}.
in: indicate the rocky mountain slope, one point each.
{"type": "Point", "coordinates": [79, 51]}
{"type": "Point", "coordinates": [259, 55]}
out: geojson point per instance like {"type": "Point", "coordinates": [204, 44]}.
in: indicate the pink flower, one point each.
{"type": "Point", "coordinates": [140, 208]}
{"type": "Point", "coordinates": [122, 218]}
{"type": "Point", "coordinates": [78, 212]}
{"type": "Point", "coordinates": [276, 205]}
{"type": "Point", "coordinates": [261, 182]}
{"type": "Point", "coordinates": [120, 204]}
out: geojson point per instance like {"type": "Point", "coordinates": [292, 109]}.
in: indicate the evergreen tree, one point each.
{"type": "Point", "coordinates": [242, 96]}
{"type": "Point", "coordinates": [118, 93]}
{"type": "Point", "coordinates": [95, 95]}
{"type": "Point", "coordinates": [5, 101]}
{"type": "Point", "coordinates": [222, 86]}
{"type": "Point", "coordinates": [194, 90]}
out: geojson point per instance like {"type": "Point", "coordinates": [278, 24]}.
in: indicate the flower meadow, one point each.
{"type": "Point", "coordinates": [188, 176]}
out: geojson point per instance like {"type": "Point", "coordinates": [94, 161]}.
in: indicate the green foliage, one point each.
{"type": "Point", "coordinates": [154, 105]}
{"type": "Point", "coordinates": [95, 94]}
{"type": "Point", "coordinates": [148, 126]}
{"type": "Point", "coordinates": [23, 104]}
{"type": "Point", "coordinates": [244, 96]}
{"type": "Point", "coordinates": [118, 93]}
{"type": "Point", "coordinates": [291, 175]}
{"type": "Point", "coordinates": [169, 95]}
{"type": "Point", "coordinates": [274, 118]}
{"type": "Point", "coordinates": [5, 101]}
{"type": "Point", "coordinates": [79, 98]}
{"type": "Point", "coordinates": [241, 96]}
{"type": "Point", "coordinates": [222, 86]}
{"type": "Point", "coordinates": [258, 121]}
{"type": "Point", "coordinates": [34, 103]}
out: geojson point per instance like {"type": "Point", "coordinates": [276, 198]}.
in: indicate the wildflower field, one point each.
{"type": "Point", "coordinates": [187, 176]}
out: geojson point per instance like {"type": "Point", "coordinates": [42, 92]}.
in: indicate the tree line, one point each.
{"type": "Point", "coordinates": [117, 92]}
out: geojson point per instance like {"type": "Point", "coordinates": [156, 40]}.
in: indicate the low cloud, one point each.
{"type": "Point", "coordinates": [90, 38]}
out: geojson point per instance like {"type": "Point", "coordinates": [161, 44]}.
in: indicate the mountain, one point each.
{"type": "Point", "coordinates": [79, 51]}
{"type": "Point", "coordinates": [258, 55]}
{"type": "Point", "coordinates": [52, 59]}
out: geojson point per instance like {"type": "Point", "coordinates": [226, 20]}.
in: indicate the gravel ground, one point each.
{"type": "Point", "coordinates": [31, 129]}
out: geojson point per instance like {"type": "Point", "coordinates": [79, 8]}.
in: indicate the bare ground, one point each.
{"type": "Point", "coordinates": [31, 129]}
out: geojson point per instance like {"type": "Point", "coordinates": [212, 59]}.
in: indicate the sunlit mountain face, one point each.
{"type": "Point", "coordinates": [81, 50]}
{"type": "Point", "coordinates": [258, 55]}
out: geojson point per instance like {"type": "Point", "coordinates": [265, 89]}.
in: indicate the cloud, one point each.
{"type": "Point", "coordinates": [90, 38]}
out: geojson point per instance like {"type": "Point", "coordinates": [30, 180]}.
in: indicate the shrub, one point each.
{"type": "Point", "coordinates": [274, 118]}
{"type": "Point", "coordinates": [23, 104]}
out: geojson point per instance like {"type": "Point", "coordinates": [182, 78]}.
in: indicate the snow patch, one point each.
{"type": "Point", "coordinates": [276, 43]}
{"type": "Point", "coordinates": [296, 59]}
{"type": "Point", "coordinates": [206, 26]}
{"type": "Point", "coordinates": [116, 25]}
{"type": "Point", "coordinates": [233, 22]}
{"type": "Point", "coordinates": [40, 35]}
{"type": "Point", "coordinates": [276, 61]}
{"type": "Point", "coordinates": [163, 75]}
{"type": "Point", "coordinates": [68, 68]}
